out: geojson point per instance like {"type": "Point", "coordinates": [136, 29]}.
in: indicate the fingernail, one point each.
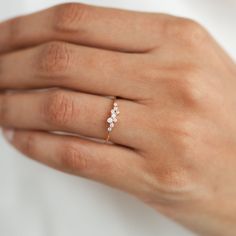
{"type": "Point", "coordinates": [8, 134]}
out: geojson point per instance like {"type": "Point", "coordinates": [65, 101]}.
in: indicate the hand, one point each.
{"type": "Point", "coordinates": [174, 145]}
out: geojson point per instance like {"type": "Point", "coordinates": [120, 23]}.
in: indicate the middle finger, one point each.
{"type": "Point", "coordinates": [80, 68]}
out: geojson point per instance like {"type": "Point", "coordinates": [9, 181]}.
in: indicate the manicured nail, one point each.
{"type": "Point", "coordinates": [8, 134]}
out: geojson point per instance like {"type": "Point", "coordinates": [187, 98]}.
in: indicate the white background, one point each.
{"type": "Point", "coordinates": [38, 201]}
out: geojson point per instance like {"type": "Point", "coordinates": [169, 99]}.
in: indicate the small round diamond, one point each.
{"type": "Point", "coordinates": [112, 119]}
{"type": "Point", "coordinates": [113, 115]}
{"type": "Point", "coordinates": [109, 120]}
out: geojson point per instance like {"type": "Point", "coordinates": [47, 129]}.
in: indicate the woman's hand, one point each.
{"type": "Point", "coordinates": [175, 140]}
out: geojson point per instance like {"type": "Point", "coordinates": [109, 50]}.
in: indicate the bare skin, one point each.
{"type": "Point", "coordinates": [174, 146]}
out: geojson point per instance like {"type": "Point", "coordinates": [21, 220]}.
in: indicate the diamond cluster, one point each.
{"type": "Point", "coordinates": [113, 118]}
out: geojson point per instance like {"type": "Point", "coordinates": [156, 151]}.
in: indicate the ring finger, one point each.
{"type": "Point", "coordinates": [79, 113]}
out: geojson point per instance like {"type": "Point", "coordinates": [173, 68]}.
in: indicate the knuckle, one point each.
{"type": "Point", "coordinates": [173, 179]}
{"type": "Point", "coordinates": [187, 88]}
{"type": "Point", "coordinates": [54, 59]}
{"type": "Point", "coordinates": [69, 16]}
{"type": "Point", "coordinates": [59, 108]}
{"type": "Point", "coordinates": [171, 183]}
{"type": "Point", "coordinates": [191, 89]}
{"type": "Point", "coordinates": [190, 32]}
{"type": "Point", "coordinates": [175, 174]}
{"type": "Point", "coordinates": [73, 159]}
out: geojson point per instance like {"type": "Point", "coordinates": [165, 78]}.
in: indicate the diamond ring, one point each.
{"type": "Point", "coordinates": [112, 119]}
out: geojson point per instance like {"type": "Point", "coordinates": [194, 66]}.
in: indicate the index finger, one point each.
{"type": "Point", "coordinates": [86, 25]}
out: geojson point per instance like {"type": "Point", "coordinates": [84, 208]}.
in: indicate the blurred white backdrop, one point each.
{"type": "Point", "coordinates": [38, 201]}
